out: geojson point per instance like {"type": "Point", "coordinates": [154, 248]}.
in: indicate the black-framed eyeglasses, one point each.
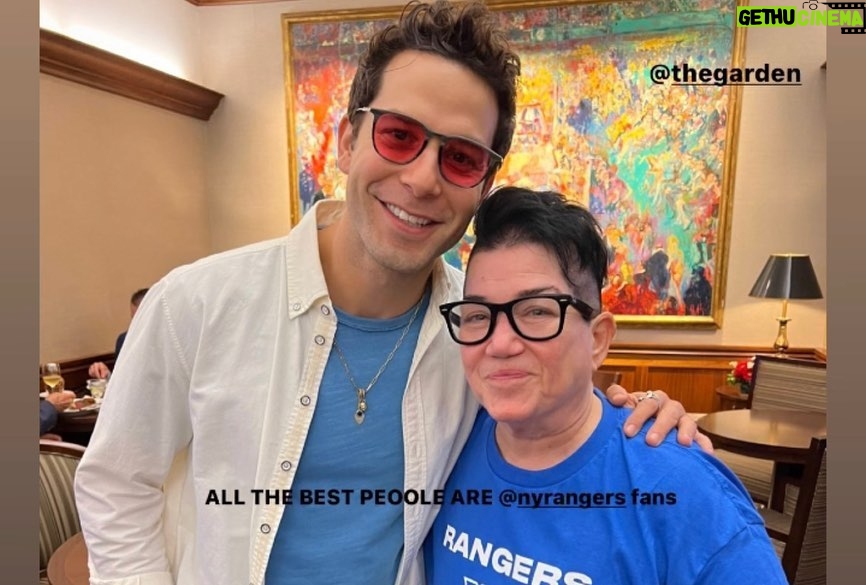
{"type": "Point", "coordinates": [536, 317]}
{"type": "Point", "coordinates": [400, 139]}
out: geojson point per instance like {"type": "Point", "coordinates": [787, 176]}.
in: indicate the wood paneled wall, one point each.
{"type": "Point", "coordinates": [688, 374]}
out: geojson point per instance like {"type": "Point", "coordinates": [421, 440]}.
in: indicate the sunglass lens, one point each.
{"type": "Point", "coordinates": [397, 139]}
{"type": "Point", "coordinates": [464, 163]}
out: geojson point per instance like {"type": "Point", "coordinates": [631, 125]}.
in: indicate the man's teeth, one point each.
{"type": "Point", "coordinates": [419, 221]}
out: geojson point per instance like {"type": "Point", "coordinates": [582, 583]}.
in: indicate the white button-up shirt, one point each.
{"type": "Point", "coordinates": [215, 390]}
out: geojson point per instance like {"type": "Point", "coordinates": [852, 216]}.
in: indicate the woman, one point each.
{"type": "Point", "coordinates": [574, 501]}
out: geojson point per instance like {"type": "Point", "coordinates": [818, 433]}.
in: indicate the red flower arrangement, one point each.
{"type": "Point", "coordinates": [741, 374]}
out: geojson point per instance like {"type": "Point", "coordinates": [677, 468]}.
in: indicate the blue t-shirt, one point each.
{"type": "Point", "coordinates": [327, 543]}
{"type": "Point", "coordinates": [615, 512]}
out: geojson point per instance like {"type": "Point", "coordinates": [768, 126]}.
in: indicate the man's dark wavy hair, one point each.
{"type": "Point", "coordinates": [464, 33]}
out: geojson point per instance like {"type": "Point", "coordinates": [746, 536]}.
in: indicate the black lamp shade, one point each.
{"type": "Point", "coordinates": [787, 276]}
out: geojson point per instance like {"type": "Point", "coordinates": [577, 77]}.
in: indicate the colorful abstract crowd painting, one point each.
{"type": "Point", "coordinates": [652, 162]}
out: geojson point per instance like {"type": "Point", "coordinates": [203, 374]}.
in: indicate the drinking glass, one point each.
{"type": "Point", "coordinates": [96, 386]}
{"type": "Point", "coordinates": [50, 373]}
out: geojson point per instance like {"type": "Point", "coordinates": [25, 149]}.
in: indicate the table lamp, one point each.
{"type": "Point", "coordinates": [786, 276]}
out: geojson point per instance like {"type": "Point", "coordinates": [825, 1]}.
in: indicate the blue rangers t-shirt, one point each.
{"type": "Point", "coordinates": [615, 512]}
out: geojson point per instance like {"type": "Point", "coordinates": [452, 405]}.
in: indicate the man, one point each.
{"type": "Point", "coordinates": [99, 369]}
{"type": "Point", "coordinates": [316, 361]}
{"type": "Point", "coordinates": [589, 505]}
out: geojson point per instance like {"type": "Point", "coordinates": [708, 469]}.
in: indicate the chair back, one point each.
{"type": "Point", "coordinates": [789, 384]}
{"type": "Point", "coordinates": [812, 560]}
{"type": "Point", "coordinates": [58, 516]}
{"type": "Point", "coordinates": [604, 379]}
{"type": "Point", "coordinates": [804, 557]}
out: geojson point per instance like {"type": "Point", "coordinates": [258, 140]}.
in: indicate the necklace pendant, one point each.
{"type": "Point", "coordinates": [361, 411]}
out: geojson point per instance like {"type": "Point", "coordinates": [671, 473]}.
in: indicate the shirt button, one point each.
{"type": "Point", "coordinates": [297, 306]}
{"type": "Point", "coordinates": [305, 400]}
{"type": "Point", "coordinates": [286, 465]}
{"type": "Point", "coordinates": [326, 310]}
{"type": "Point", "coordinates": [320, 340]}
{"type": "Point", "coordinates": [265, 528]}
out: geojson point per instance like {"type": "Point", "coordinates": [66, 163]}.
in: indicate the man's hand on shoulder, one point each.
{"type": "Point", "coordinates": [669, 414]}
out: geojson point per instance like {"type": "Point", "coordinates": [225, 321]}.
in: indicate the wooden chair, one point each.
{"type": "Point", "coordinates": [802, 533]}
{"type": "Point", "coordinates": [604, 379]}
{"type": "Point", "coordinates": [58, 516]}
{"type": "Point", "coordinates": [777, 383]}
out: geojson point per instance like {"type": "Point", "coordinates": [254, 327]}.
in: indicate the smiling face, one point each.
{"type": "Point", "coordinates": [541, 386]}
{"type": "Point", "coordinates": [403, 217]}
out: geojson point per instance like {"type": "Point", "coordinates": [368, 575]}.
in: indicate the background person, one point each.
{"type": "Point", "coordinates": [50, 407]}
{"type": "Point", "coordinates": [316, 360]}
{"type": "Point", "coordinates": [99, 369]}
{"type": "Point", "coordinates": [532, 332]}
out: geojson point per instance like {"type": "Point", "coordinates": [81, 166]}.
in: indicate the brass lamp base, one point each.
{"type": "Point", "coordinates": [781, 343]}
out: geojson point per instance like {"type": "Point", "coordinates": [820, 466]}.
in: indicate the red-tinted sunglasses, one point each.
{"type": "Point", "coordinates": [400, 139]}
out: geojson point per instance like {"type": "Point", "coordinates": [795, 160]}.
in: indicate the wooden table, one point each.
{"type": "Point", "coordinates": [731, 397]}
{"type": "Point", "coordinates": [76, 427]}
{"type": "Point", "coordinates": [782, 436]}
{"type": "Point", "coordinates": [68, 564]}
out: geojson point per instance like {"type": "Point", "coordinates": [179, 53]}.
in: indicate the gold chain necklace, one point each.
{"type": "Point", "coordinates": [361, 410]}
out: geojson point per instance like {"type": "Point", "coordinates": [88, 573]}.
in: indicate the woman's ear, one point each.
{"type": "Point", "coordinates": [603, 331]}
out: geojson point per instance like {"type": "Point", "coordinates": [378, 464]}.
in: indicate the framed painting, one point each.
{"type": "Point", "coordinates": [653, 161]}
